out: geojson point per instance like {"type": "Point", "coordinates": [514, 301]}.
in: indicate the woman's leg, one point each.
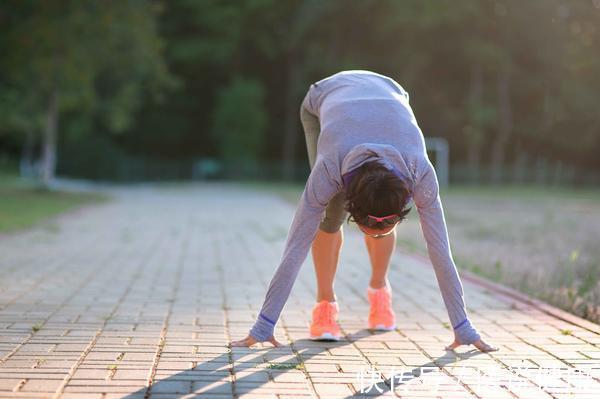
{"type": "Point", "coordinates": [328, 245]}
{"type": "Point", "coordinates": [381, 313]}
{"type": "Point", "coordinates": [380, 253]}
{"type": "Point", "coordinates": [326, 251]}
{"type": "Point", "coordinates": [312, 128]}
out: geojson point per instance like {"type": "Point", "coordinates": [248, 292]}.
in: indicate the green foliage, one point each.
{"type": "Point", "coordinates": [18, 112]}
{"type": "Point", "coordinates": [105, 59]}
{"type": "Point", "coordinates": [221, 26]}
{"type": "Point", "coordinates": [101, 58]}
{"type": "Point", "coordinates": [239, 120]}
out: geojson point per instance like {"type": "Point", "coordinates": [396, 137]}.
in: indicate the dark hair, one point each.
{"type": "Point", "coordinates": [377, 191]}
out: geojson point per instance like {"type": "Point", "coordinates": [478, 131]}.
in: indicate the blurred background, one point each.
{"type": "Point", "coordinates": [199, 90]}
{"type": "Point", "coordinates": [202, 89]}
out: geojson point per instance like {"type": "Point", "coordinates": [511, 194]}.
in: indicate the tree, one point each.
{"type": "Point", "coordinates": [82, 56]}
{"type": "Point", "coordinates": [239, 121]}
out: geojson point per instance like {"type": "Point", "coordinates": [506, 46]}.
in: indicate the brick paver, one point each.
{"type": "Point", "coordinates": [139, 298]}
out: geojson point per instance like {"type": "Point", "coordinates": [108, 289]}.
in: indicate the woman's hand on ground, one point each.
{"type": "Point", "coordinates": [250, 340]}
{"type": "Point", "coordinates": [480, 344]}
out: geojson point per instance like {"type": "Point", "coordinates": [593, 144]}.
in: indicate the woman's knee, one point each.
{"type": "Point", "coordinates": [330, 226]}
{"type": "Point", "coordinates": [334, 218]}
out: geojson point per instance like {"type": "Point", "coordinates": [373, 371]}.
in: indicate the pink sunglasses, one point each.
{"type": "Point", "coordinates": [382, 218]}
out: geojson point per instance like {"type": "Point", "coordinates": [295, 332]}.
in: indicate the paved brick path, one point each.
{"type": "Point", "coordinates": [139, 298]}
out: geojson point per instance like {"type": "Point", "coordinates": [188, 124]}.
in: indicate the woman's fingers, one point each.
{"type": "Point", "coordinates": [241, 342]}
{"type": "Point", "coordinates": [452, 345]}
{"type": "Point", "coordinates": [250, 340]}
{"type": "Point", "coordinates": [480, 344]}
{"type": "Point", "coordinates": [484, 347]}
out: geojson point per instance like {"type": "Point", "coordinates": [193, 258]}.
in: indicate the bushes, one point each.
{"type": "Point", "coordinates": [239, 121]}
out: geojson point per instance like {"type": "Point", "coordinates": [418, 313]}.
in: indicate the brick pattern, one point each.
{"type": "Point", "coordinates": [139, 297]}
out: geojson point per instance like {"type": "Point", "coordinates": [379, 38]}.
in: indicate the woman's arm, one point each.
{"type": "Point", "coordinates": [433, 224]}
{"type": "Point", "coordinates": [319, 190]}
{"type": "Point", "coordinates": [300, 237]}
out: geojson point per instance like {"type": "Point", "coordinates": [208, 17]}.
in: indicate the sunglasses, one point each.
{"type": "Point", "coordinates": [389, 220]}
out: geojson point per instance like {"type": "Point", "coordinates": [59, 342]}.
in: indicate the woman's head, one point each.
{"type": "Point", "coordinates": [375, 192]}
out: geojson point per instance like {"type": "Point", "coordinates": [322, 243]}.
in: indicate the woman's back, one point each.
{"type": "Point", "coordinates": [360, 106]}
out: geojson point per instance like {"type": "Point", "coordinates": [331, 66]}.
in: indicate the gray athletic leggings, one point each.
{"type": "Point", "coordinates": [335, 214]}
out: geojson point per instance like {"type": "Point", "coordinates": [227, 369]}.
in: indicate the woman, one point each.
{"type": "Point", "coordinates": [368, 160]}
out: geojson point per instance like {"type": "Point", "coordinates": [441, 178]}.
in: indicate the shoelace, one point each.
{"type": "Point", "coordinates": [324, 314]}
{"type": "Point", "coordinates": [381, 303]}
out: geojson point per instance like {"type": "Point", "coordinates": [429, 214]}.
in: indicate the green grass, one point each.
{"type": "Point", "coordinates": [290, 192]}
{"type": "Point", "coordinates": [285, 366]}
{"type": "Point", "coordinates": [523, 192]}
{"type": "Point", "coordinates": [23, 203]}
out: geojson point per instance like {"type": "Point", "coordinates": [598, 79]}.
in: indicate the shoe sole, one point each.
{"type": "Point", "coordinates": [381, 327]}
{"type": "Point", "coordinates": [325, 337]}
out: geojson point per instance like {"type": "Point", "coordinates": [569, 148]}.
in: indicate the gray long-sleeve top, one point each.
{"type": "Point", "coordinates": [359, 111]}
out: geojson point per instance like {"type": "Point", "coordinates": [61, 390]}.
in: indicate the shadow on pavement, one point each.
{"type": "Point", "coordinates": [208, 379]}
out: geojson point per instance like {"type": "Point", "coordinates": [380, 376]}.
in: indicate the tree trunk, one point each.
{"type": "Point", "coordinates": [505, 123]}
{"type": "Point", "coordinates": [547, 114]}
{"type": "Point", "coordinates": [520, 165]}
{"type": "Point", "coordinates": [290, 123]}
{"type": "Point", "coordinates": [26, 165]}
{"type": "Point", "coordinates": [49, 140]}
{"type": "Point", "coordinates": [475, 131]}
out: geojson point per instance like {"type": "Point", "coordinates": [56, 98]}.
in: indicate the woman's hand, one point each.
{"type": "Point", "coordinates": [250, 340]}
{"type": "Point", "coordinates": [480, 344]}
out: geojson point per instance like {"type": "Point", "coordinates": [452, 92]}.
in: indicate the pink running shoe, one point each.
{"type": "Point", "coordinates": [381, 315]}
{"type": "Point", "coordinates": [324, 321]}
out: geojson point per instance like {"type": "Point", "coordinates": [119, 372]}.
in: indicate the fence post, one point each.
{"type": "Point", "coordinates": [440, 146]}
